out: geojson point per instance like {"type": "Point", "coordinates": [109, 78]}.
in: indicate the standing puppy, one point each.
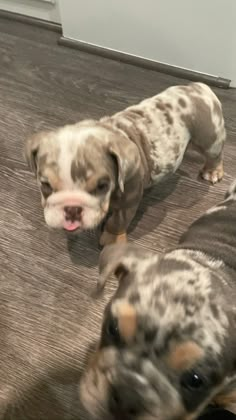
{"type": "Point", "coordinates": [168, 342]}
{"type": "Point", "coordinates": [93, 168]}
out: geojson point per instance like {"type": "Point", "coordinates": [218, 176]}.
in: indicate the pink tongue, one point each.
{"type": "Point", "coordinates": [70, 226]}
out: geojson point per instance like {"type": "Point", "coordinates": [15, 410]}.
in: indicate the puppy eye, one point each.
{"type": "Point", "coordinates": [192, 381]}
{"type": "Point", "coordinates": [112, 328]}
{"type": "Point", "coordinates": [46, 189]}
{"type": "Point", "coordinates": [103, 185]}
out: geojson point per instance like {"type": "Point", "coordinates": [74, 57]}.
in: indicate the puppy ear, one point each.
{"type": "Point", "coordinates": [32, 145]}
{"type": "Point", "coordinates": [127, 157]}
{"type": "Point", "coordinates": [119, 259]}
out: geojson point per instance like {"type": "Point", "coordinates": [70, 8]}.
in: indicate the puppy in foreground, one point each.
{"type": "Point", "coordinates": [97, 170]}
{"type": "Point", "coordinates": [168, 344]}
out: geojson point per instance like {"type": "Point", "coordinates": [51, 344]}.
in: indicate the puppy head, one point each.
{"type": "Point", "coordinates": [78, 167]}
{"type": "Point", "coordinates": [162, 352]}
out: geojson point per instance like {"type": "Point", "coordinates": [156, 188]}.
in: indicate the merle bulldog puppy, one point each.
{"type": "Point", "coordinates": [168, 345]}
{"type": "Point", "coordinates": [97, 170]}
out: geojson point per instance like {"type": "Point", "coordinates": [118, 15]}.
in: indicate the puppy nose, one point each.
{"type": "Point", "coordinates": [125, 403]}
{"type": "Point", "coordinates": [72, 213]}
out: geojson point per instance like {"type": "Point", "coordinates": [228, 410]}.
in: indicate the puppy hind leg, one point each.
{"type": "Point", "coordinates": [213, 170]}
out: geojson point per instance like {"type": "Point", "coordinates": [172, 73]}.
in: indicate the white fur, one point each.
{"type": "Point", "coordinates": [54, 209]}
{"type": "Point", "coordinates": [72, 198]}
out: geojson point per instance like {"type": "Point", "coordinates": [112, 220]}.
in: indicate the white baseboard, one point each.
{"type": "Point", "coordinates": [146, 63]}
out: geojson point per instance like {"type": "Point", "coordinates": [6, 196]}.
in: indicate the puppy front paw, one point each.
{"type": "Point", "coordinates": [108, 238]}
{"type": "Point", "coordinates": [213, 175]}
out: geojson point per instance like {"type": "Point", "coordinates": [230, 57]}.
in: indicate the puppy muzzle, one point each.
{"type": "Point", "coordinates": [70, 210]}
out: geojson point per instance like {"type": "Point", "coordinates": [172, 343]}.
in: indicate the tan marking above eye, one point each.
{"type": "Point", "coordinates": [226, 400]}
{"type": "Point", "coordinates": [53, 179]}
{"type": "Point", "coordinates": [93, 181]}
{"type": "Point", "coordinates": [184, 355]}
{"type": "Point", "coordinates": [127, 320]}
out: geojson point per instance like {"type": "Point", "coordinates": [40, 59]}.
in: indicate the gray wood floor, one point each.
{"type": "Point", "coordinates": [48, 319]}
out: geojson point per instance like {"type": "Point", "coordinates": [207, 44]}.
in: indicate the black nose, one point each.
{"type": "Point", "coordinates": [72, 213]}
{"type": "Point", "coordinates": [125, 403]}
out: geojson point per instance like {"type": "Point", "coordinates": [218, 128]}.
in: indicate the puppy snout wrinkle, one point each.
{"type": "Point", "coordinates": [72, 213]}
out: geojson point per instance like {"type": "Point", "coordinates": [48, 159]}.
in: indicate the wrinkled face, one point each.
{"type": "Point", "coordinates": [159, 356]}
{"type": "Point", "coordinates": [76, 176]}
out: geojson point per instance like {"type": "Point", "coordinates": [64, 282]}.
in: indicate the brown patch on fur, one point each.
{"type": "Point", "coordinates": [77, 171]}
{"type": "Point", "coordinates": [127, 321]}
{"type": "Point", "coordinates": [160, 105]}
{"type": "Point", "coordinates": [184, 355]}
{"type": "Point", "coordinates": [176, 149]}
{"type": "Point", "coordinates": [135, 113]}
{"type": "Point", "coordinates": [53, 178]}
{"type": "Point", "coordinates": [169, 118]}
{"type": "Point", "coordinates": [46, 166]}
{"type": "Point", "coordinates": [168, 131]}
{"type": "Point", "coordinates": [138, 112]}
{"type": "Point", "coordinates": [124, 206]}
{"type": "Point", "coordinates": [91, 184]}
{"type": "Point", "coordinates": [182, 102]}
{"type": "Point", "coordinates": [169, 168]}
{"type": "Point", "coordinates": [92, 181]}
{"type": "Point", "coordinates": [84, 165]}
{"type": "Point", "coordinates": [168, 105]}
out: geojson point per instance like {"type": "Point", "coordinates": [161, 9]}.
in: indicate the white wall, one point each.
{"type": "Point", "coordinates": [41, 9]}
{"type": "Point", "coordinates": [197, 35]}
